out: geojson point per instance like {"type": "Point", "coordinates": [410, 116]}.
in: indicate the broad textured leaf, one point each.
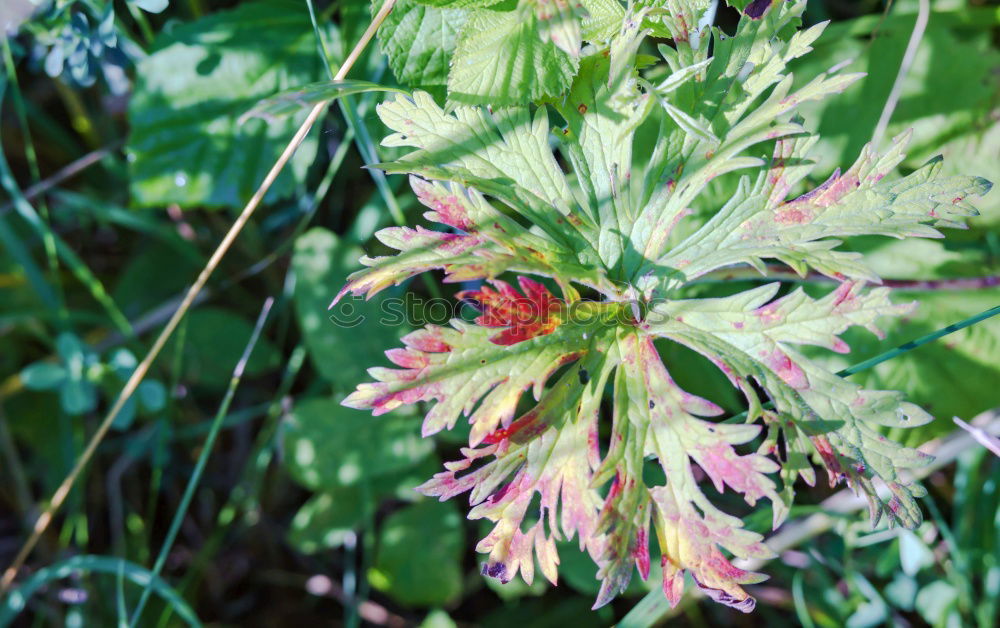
{"type": "Point", "coordinates": [327, 446]}
{"type": "Point", "coordinates": [509, 57]}
{"type": "Point", "coordinates": [616, 224]}
{"type": "Point", "coordinates": [328, 519]}
{"type": "Point", "coordinates": [214, 341]}
{"type": "Point", "coordinates": [419, 40]}
{"type": "Point", "coordinates": [186, 144]}
{"type": "Point", "coordinates": [603, 19]}
{"type": "Point", "coordinates": [937, 102]}
{"type": "Point", "coordinates": [153, 6]}
{"type": "Point", "coordinates": [459, 4]}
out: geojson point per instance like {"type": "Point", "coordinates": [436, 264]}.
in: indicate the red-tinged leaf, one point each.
{"type": "Point", "coordinates": [489, 176]}
{"type": "Point", "coordinates": [535, 314]}
{"type": "Point", "coordinates": [690, 542]}
{"type": "Point", "coordinates": [757, 223]}
{"type": "Point", "coordinates": [758, 346]}
{"type": "Point", "coordinates": [557, 464]}
{"type": "Point", "coordinates": [488, 243]}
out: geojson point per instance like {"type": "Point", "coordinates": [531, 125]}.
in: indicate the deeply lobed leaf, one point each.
{"type": "Point", "coordinates": [617, 224]}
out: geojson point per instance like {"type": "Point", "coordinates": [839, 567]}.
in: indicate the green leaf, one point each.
{"type": "Point", "coordinates": [914, 555]}
{"type": "Point", "coordinates": [935, 600]}
{"type": "Point", "coordinates": [152, 6]}
{"type": "Point", "coordinates": [321, 263]}
{"type": "Point", "coordinates": [297, 99]}
{"type": "Point", "coordinates": [329, 518]}
{"type": "Point", "coordinates": [187, 146]}
{"type": "Point", "coordinates": [459, 4]}
{"type": "Point", "coordinates": [938, 103]}
{"type": "Point", "coordinates": [418, 557]}
{"type": "Point", "coordinates": [328, 446]}
{"type": "Point", "coordinates": [603, 20]}
{"type": "Point", "coordinates": [152, 395]}
{"type": "Point", "coordinates": [125, 417]}
{"type": "Point", "coordinates": [609, 225]}
{"type": "Point", "coordinates": [419, 40]}
{"type": "Point", "coordinates": [438, 618]}
{"type": "Point", "coordinates": [43, 376]}
{"type": "Point", "coordinates": [215, 339]}
{"type": "Point", "coordinates": [902, 591]}
{"type": "Point", "coordinates": [77, 396]}
{"type": "Point", "coordinates": [122, 362]}
{"type": "Point", "coordinates": [502, 59]}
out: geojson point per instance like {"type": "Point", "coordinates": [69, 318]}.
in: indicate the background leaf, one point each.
{"type": "Point", "coordinates": [501, 59]}
{"type": "Point", "coordinates": [186, 145]}
{"type": "Point", "coordinates": [417, 561]}
{"type": "Point", "coordinates": [419, 41]}
{"type": "Point", "coordinates": [327, 445]}
{"type": "Point", "coordinates": [321, 262]}
{"type": "Point", "coordinates": [214, 344]}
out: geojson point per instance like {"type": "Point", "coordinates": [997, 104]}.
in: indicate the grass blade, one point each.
{"type": "Point", "coordinates": [206, 451]}
{"type": "Point", "coordinates": [18, 598]}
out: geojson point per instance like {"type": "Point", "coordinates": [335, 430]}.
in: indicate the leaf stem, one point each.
{"type": "Point", "coordinates": [919, 342]}
{"type": "Point", "coordinates": [59, 497]}
{"type": "Point", "coordinates": [923, 15]}
{"type": "Point", "coordinates": [782, 273]}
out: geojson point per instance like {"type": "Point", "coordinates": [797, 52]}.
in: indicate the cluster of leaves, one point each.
{"type": "Point", "coordinates": [80, 373]}
{"type": "Point", "coordinates": [614, 227]}
{"type": "Point", "coordinates": [80, 41]}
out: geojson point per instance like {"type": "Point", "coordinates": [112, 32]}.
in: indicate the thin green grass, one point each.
{"type": "Point", "coordinates": [17, 599]}
{"type": "Point", "coordinates": [206, 451]}
{"type": "Point", "coordinates": [76, 265]}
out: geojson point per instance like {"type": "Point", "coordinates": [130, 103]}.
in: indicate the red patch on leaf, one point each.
{"type": "Point", "coordinates": [536, 313]}
{"type": "Point", "coordinates": [526, 427]}
{"type": "Point", "coordinates": [641, 552]}
{"type": "Point", "coordinates": [786, 369]}
{"type": "Point", "coordinates": [831, 459]}
{"type": "Point", "coordinates": [448, 208]}
{"type": "Point", "coordinates": [793, 216]}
